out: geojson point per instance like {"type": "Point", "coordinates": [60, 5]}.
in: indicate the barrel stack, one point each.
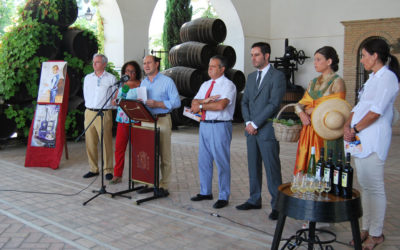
{"type": "Point", "coordinates": [201, 39]}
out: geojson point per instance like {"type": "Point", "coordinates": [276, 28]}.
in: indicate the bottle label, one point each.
{"type": "Point", "coordinates": [326, 173]}
{"type": "Point", "coordinates": [344, 180]}
{"type": "Point", "coordinates": [336, 177]}
{"type": "Point", "coordinates": [318, 171]}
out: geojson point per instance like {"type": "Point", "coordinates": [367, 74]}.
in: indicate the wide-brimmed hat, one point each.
{"type": "Point", "coordinates": [329, 117]}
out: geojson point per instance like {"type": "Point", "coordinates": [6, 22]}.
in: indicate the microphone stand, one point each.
{"type": "Point", "coordinates": [101, 114]}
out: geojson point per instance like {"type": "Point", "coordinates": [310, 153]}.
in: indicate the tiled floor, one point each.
{"type": "Point", "coordinates": [48, 221]}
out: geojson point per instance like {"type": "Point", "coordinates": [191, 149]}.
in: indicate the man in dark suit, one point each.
{"type": "Point", "coordinates": [261, 99]}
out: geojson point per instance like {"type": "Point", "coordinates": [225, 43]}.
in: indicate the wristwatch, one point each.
{"type": "Point", "coordinates": [355, 129]}
{"type": "Point", "coordinates": [201, 107]}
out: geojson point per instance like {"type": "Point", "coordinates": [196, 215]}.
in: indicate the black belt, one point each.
{"type": "Point", "coordinates": [162, 115]}
{"type": "Point", "coordinates": [214, 121]}
{"type": "Point", "coordinates": [97, 110]}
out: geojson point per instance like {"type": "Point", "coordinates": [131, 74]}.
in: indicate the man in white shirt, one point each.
{"type": "Point", "coordinates": [216, 100]}
{"type": "Point", "coordinates": [97, 88]}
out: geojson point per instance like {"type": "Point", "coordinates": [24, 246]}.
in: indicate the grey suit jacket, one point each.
{"type": "Point", "coordinates": [260, 104]}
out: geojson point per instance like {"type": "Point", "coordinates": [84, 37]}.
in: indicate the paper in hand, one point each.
{"type": "Point", "coordinates": [142, 93]}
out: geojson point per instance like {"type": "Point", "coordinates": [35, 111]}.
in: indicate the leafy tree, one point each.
{"type": "Point", "coordinates": [178, 12]}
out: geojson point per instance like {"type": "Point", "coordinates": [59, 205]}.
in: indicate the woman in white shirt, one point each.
{"type": "Point", "coordinates": [370, 122]}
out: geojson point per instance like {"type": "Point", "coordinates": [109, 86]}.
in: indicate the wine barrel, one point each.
{"type": "Point", "coordinates": [237, 116]}
{"type": "Point", "coordinates": [237, 77]}
{"type": "Point", "coordinates": [187, 80]}
{"type": "Point", "coordinates": [293, 94]}
{"type": "Point", "coordinates": [75, 82]}
{"type": "Point", "coordinates": [7, 126]}
{"type": "Point", "coordinates": [228, 52]}
{"type": "Point", "coordinates": [80, 43]}
{"type": "Point", "coordinates": [67, 12]}
{"type": "Point", "coordinates": [206, 30]}
{"type": "Point", "coordinates": [191, 54]}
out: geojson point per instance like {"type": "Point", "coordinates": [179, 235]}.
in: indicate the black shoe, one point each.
{"type": "Point", "coordinates": [90, 174]}
{"type": "Point", "coordinates": [109, 177]}
{"type": "Point", "coordinates": [161, 192]}
{"type": "Point", "coordinates": [273, 215]}
{"type": "Point", "coordinates": [200, 197]}
{"type": "Point", "coordinates": [220, 204]}
{"type": "Point", "coordinates": [248, 206]}
{"type": "Point", "coordinates": [145, 190]}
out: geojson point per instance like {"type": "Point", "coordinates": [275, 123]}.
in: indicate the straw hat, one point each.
{"type": "Point", "coordinates": [329, 117]}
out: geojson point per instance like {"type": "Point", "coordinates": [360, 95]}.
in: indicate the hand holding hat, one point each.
{"type": "Point", "coordinates": [329, 117]}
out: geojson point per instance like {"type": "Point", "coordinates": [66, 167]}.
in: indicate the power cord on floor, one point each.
{"type": "Point", "coordinates": [37, 192]}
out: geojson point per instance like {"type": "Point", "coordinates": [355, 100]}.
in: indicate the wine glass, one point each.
{"type": "Point", "coordinates": [310, 186]}
{"type": "Point", "coordinates": [319, 184]}
{"type": "Point", "coordinates": [294, 187]}
{"type": "Point", "coordinates": [327, 187]}
{"type": "Point", "coordinates": [302, 184]}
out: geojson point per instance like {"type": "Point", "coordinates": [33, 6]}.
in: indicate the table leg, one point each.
{"type": "Point", "coordinates": [355, 229]}
{"type": "Point", "coordinates": [278, 231]}
{"type": "Point", "coordinates": [311, 235]}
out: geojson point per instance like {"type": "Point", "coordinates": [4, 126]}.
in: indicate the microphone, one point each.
{"type": "Point", "coordinates": [123, 79]}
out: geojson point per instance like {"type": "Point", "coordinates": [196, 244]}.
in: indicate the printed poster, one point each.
{"type": "Point", "coordinates": [52, 82]}
{"type": "Point", "coordinates": [45, 126]}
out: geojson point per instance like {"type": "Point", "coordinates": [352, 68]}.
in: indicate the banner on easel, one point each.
{"type": "Point", "coordinates": [47, 133]}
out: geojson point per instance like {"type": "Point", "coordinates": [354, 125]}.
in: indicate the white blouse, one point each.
{"type": "Point", "coordinates": [377, 95]}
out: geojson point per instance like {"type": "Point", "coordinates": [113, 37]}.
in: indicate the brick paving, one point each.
{"type": "Point", "coordinates": [48, 221]}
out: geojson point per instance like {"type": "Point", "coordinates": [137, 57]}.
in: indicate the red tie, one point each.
{"type": "Point", "coordinates": [203, 112]}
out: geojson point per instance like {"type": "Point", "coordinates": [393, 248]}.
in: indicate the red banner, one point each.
{"type": "Point", "coordinates": [143, 154]}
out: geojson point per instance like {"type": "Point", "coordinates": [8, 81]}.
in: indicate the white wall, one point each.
{"type": "Point", "coordinates": [311, 24]}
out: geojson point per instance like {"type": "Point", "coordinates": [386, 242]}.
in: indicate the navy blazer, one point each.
{"type": "Point", "coordinates": [260, 104]}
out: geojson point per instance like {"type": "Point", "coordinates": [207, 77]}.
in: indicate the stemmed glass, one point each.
{"type": "Point", "coordinates": [302, 184]}
{"type": "Point", "coordinates": [319, 187]}
{"type": "Point", "coordinates": [294, 187]}
{"type": "Point", "coordinates": [327, 187]}
{"type": "Point", "coordinates": [310, 186]}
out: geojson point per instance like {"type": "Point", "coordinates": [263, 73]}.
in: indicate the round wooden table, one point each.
{"type": "Point", "coordinates": [329, 209]}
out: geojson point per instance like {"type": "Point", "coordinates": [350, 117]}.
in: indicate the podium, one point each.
{"type": "Point", "coordinates": [144, 156]}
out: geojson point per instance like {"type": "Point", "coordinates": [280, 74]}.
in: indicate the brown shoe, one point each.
{"type": "Point", "coordinates": [363, 235]}
{"type": "Point", "coordinates": [115, 180]}
{"type": "Point", "coordinates": [372, 242]}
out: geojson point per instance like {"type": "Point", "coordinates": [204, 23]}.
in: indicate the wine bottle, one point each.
{"type": "Point", "coordinates": [337, 176]}
{"type": "Point", "coordinates": [347, 179]}
{"type": "Point", "coordinates": [319, 168]}
{"type": "Point", "coordinates": [328, 170]}
{"type": "Point", "coordinates": [311, 164]}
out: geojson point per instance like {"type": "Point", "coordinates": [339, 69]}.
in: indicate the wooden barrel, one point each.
{"type": "Point", "coordinates": [75, 82]}
{"type": "Point", "coordinates": [228, 52]}
{"type": "Point", "coordinates": [293, 94]}
{"type": "Point", "coordinates": [7, 126]}
{"type": "Point", "coordinates": [191, 54]}
{"type": "Point", "coordinates": [80, 43]}
{"type": "Point", "coordinates": [237, 77]}
{"type": "Point", "coordinates": [67, 12]}
{"type": "Point", "coordinates": [206, 30]}
{"type": "Point", "coordinates": [237, 116]}
{"type": "Point", "coordinates": [187, 80]}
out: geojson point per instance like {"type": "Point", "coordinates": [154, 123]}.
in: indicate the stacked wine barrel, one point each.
{"type": "Point", "coordinates": [201, 39]}
{"type": "Point", "coordinates": [76, 42]}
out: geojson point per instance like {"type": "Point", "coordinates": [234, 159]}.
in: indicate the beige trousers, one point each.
{"type": "Point", "coordinates": [93, 137]}
{"type": "Point", "coordinates": [165, 125]}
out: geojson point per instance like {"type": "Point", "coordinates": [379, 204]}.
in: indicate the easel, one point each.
{"type": "Point", "coordinates": [135, 110]}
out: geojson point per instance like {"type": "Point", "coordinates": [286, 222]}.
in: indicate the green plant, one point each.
{"type": "Point", "coordinates": [287, 122]}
